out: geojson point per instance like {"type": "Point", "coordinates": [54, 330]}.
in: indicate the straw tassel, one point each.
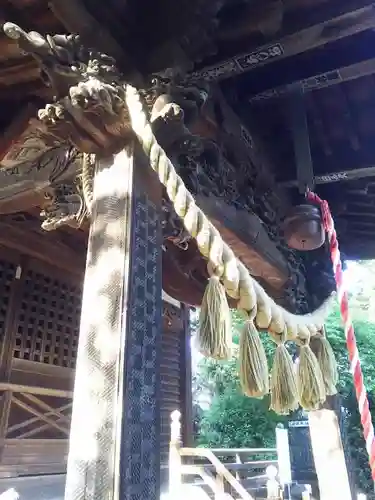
{"type": "Point", "coordinates": [253, 362]}
{"type": "Point", "coordinates": [215, 332]}
{"type": "Point", "coordinates": [284, 394]}
{"type": "Point", "coordinates": [310, 383]}
{"type": "Point", "coordinates": [327, 362]}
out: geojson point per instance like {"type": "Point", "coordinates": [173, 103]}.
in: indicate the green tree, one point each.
{"type": "Point", "coordinates": [234, 420]}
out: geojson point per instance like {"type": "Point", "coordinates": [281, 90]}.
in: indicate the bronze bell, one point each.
{"type": "Point", "coordinates": [303, 228]}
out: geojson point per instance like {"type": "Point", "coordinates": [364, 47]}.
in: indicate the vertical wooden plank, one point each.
{"type": "Point", "coordinates": [139, 458]}
{"type": "Point", "coordinates": [186, 379]}
{"type": "Point", "coordinates": [114, 442]}
{"type": "Point", "coordinates": [329, 455]}
{"type": "Point", "coordinates": [6, 347]}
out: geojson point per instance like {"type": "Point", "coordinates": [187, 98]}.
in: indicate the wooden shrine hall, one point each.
{"type": "Point", "coordinates": [254, 102]}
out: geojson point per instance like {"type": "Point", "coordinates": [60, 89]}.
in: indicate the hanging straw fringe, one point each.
{"type": "Point", "coordinates": [310, 383]}
{"type": "Point", "coordinates": [253, 362]}
{"type": "Point", "coordinates": [327, 362]}
{"type": "Point", "coordinates": [214, 336]}
{"type": "Point", "coordinates": [284, 394]}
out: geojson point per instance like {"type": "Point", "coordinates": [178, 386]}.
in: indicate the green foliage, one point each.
{"type": "Point", "coordinates": [233, 420]}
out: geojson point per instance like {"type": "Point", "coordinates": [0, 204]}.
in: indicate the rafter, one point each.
{"type": "Point", "coordinates": [329, 30]}
{"type": "Point", "coordinates": [321, 80]}
{"type": "Point", "coordinates": [344, 175]}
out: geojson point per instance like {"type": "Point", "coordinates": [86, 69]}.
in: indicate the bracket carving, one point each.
{"type": "Point", "coordinates": [89, 115]}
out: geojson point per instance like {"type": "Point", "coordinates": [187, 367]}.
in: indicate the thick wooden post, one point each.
{"type": "Point", "coordinates": [114, 442]}
{"type": "Point", "coordinates": [329, 456]}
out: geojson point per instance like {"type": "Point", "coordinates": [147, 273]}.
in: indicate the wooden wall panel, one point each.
{"type": "Point", "coordinates": [175, 374]}
{"type": "Point", "coordinates": [39, 323]}
{"type": "Point", "coordinates": [47, 327]}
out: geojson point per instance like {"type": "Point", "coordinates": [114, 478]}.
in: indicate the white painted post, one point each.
{"type": "Point", "coordinates": [175, 473]}
{"type": "Point", "coordinates": [283, 455]}
{"type": "Point", "coordinates": [273, 487]}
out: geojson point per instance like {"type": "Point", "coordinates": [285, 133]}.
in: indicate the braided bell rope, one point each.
{"type": "Point", "coordinates": [355, 364]}
{"type": "Point", "coordinates": [222, 262]}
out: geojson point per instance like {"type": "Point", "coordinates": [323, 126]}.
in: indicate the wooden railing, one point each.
{"type": "Point", "coordinates": [216, 474]}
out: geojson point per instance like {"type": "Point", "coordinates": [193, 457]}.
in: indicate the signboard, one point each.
{"type": "Point", "coordinates": [239, 64]}
{"type": "Point", "coordinates": [300, 448]}
{"type": "Point", "coordinates": [261, 56]}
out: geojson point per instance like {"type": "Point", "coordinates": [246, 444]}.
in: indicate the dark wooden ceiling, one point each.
{"type": "Point", "coordinates": [259, 50]}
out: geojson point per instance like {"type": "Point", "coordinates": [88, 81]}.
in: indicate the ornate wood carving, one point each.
{"type": "Point", "coordinates": [213, 152]}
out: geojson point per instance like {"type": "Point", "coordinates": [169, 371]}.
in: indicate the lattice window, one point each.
{"type": "Point", "coordinates": [7, 274]}
{"type": "Point", "coordinates": [48, 322]}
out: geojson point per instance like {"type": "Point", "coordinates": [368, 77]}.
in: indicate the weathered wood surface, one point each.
{"type": "Point", "coordinates": [245, 234]}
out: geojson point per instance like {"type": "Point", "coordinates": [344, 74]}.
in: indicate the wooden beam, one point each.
{"type": "Point", "coordinates": [320, 81]}
{"type": "Point", "coordinates": [26, 407]}
{"type": "Point", "coordinates": [330, 30]}
{"type": "Point", "coordinates": [42, 391]}
{"type": "Point", "coordinates": [328, 178]}
{"type": "Point", "coordinates": [32, 420]}
{"type": "Point", "coordinates": [42, 248]}
{"type": "Point", "coordinates": [47, 408]}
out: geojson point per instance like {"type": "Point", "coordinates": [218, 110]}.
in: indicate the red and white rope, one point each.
{"type": "Point", "coordinates": [355, 364]}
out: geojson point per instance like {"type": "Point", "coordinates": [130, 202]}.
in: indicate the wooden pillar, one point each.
{"type": "Point", "coordinates": [114, 442]}
{"type": "Point", "coordinates": [329, 456]}
{"type": "Point", "coordinates": [186, 380]}
{"type": "Point", "coordinates": [7, 345]}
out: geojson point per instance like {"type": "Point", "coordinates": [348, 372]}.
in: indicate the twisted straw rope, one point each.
{"type": "Point", "coordinates": [222, 262]}
{"type": "Point", "coordinates": [237, 281]}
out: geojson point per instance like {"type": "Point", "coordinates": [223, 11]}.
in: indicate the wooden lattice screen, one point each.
{"type": "Point", "coordinates": [48, 321]}
{"type": "Point", "coordinates": [39, 329]}
{"type": "Point", "coordinates": [7, 273]}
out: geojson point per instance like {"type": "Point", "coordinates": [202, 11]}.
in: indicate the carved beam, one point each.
{"type": "Point", "coordinates": [245, 234]}
{"type": "Point", "coordinates": [329, 30]}
{"type": "Point", "coordinates": [320, 81]}
{"type": "Point", "coordinates": [344, 175]}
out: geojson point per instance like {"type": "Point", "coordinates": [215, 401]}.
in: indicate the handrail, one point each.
{"type": "Point", "coordinates": [245, 451]}
{"type": "Point", "coordinates": [207, 477]}
{"type": "Point", "coordinates": [220, 468]}
{"type": "Point", "coordinates": [242, 466]}
{"type": "Point", "coordinates": [41, 391]}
